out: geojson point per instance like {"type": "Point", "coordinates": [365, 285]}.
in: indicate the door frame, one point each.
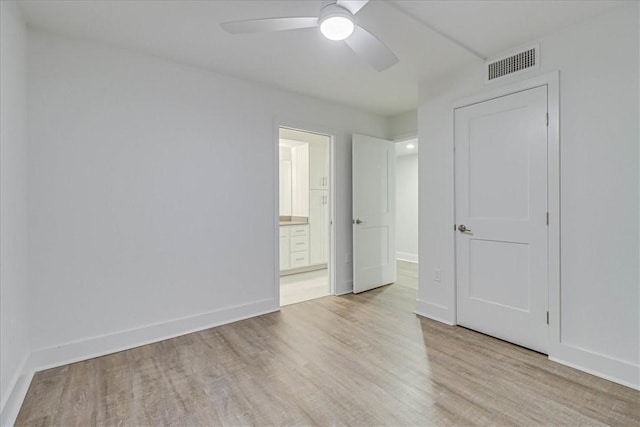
{"type": "Point", "coordinates": [552, 81]}
{"type": "Point", "coordinates": [303, 127]}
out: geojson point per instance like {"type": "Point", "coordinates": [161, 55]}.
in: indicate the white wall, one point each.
{"type": "Point", "coordinates": [599, 73]}
{"type": "Point", "coordinates": [407, 207]}
{"type": "Point", "coordinates": [14, 337]}
{"type": "Point", "coordinates": [403, 125]}
{"type": "Point", "coordinates": [152, 195]}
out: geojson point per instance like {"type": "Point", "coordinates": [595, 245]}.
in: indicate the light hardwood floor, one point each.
{"type": "Point", "coordinates": [353, 360]}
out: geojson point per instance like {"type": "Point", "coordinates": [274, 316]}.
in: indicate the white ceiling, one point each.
{"type": "Point", "coordinates": [303, 61]}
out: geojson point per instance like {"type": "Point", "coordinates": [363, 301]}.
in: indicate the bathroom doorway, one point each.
{"type": "Point", "coordinates": [305, 206]}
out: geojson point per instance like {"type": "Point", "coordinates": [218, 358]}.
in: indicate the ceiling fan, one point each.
{"type": "Point", "coordinates": [336, 21]}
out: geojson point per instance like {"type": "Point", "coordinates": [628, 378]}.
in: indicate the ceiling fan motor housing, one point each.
{"type": "Point", "coordinates": [329, 8]}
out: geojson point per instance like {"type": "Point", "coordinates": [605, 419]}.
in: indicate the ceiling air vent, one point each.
{"type": "Point", "coordinates": [508, 65]}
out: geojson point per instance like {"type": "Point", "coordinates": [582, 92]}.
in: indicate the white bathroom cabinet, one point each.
{"type": "Point", "coordinates": [318, 166]}
{"type": "Point", "coordinates": [294, 246]}
{"type": "Point", "coordinates": [318, 226]}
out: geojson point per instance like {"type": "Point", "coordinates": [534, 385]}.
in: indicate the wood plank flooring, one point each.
{"type": "Point", "coordinates": [352, 360]}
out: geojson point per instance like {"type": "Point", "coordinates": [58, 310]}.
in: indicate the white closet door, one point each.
{"type": "Point", "coordinates": [501, 217]}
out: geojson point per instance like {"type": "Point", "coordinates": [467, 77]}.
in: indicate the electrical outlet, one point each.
{"type": "Point", "coordinates": [437, 274]}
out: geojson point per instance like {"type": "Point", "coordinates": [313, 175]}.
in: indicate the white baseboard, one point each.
{"type": "Point", "coordinates": [63, 354]}
{"type": "Point", "coordinates": [434, 311]}
{"type": "Point", "coordinates": [600, 365]}
{"type": "Point", "coordinates": [17, 392]}
{"type": "Point", "coordinates": [612, 369]}
{"type": "Point", "coordinates": [405, 256]}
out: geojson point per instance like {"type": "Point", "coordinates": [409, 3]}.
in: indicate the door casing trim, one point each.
{"type": "Point", "coordinates": [552, 81]}
{"type": "Point", "coordinates": [280, 122]}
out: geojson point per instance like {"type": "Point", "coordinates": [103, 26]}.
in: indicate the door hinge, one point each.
{"type": "Point", "coordinates": [547, 317]}
{"type": "Point", "coordinates": [454, 227]}
{"type": "Point", "coordinates": [547, 218]}
{"type": "Point", "coordinates": [547, 118]}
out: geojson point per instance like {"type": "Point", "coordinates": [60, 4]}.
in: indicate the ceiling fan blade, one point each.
{"type": "Point", "coordinates": [269, 24]}
{"type": "Point", "coordinates": [371, 49]}
{"type": "Point", "coordinates": [352, 6]}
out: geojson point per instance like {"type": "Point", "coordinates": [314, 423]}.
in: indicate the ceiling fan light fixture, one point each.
{"type": "Point", "coordinates": [337, 28]}
{"type": "Point", "coordinates": [336, 23]}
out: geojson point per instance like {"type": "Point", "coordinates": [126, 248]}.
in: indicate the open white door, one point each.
{"type": "Point", "coordinates": [374, 216]}
{"type": "Point", "coordinates": [501, 217]}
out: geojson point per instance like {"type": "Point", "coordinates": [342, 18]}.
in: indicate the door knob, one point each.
{"type": "Point", "coordinates": [358, 221]}
{"type": "Point", "coordinates": [463, 229]}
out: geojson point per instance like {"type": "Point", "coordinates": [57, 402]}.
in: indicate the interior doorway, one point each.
{"type": "Point", "coordinates": [407, 200]}
{"type": "Point", "coordinates": [407, 221]}
{"type": "Point", "coordinates": [385, 213]}
{"type": "Point", "coordinates": [305, 201]}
